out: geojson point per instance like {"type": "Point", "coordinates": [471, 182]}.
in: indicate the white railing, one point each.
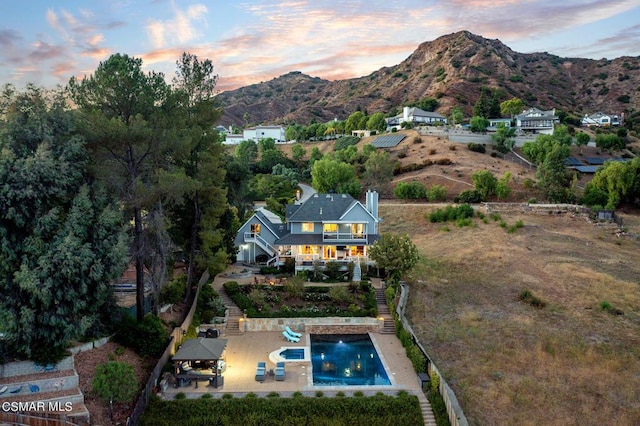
{"type": "Point", "coordinates": [256, 238]}
{"type": "Point", "coordinates": [344, 236]}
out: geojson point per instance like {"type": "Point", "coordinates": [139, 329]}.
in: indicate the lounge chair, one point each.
{"type": "Point", "coordinates": [261, 371]}
{"type": "Point", "coordinates": [291, 332]}
{"type": "Point", "coordinates": [16, 390]}
{"type": "Point", "coordinates": [34, 388]}
{"type": "Point", "coordinates": [280, 373]}
{"type": "Point", "coordinates": [290, 338]}
{"type": "Point", "coordinates": [3, 389]}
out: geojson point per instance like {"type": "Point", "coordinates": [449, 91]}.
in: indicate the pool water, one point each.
{"type": "Point", "coordinates": [346, 359]}
{"type": "Point", "coordinates": [292, 354]}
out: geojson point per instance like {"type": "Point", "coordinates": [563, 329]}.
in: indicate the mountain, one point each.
{"type": "Point", "coordinates": [453, 69]}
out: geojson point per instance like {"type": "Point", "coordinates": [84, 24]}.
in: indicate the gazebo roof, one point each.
{"type": "Point", "coordinates": [200, 349]}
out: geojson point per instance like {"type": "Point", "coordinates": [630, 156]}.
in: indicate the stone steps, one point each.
{"type": "Point", "coordinates": [427, 412]}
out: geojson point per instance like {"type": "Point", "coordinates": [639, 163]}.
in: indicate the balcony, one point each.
{"type": "Point", "coordinates": [344, 236]}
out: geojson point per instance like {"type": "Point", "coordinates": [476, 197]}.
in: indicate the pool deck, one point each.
{"type": "Point", "coordinates": [244, 351]}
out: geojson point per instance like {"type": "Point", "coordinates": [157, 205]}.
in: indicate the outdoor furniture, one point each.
{"type": "Point", "coordinates": [280, 373]}
{"type": "Point", "coordinates": [290, 338]}
{"type": "Point", "coordinates": [291, 332]}
{"type": "Point", "coordinates": [3, 389]}
{"type": "Point", "coordinates": [34, 388]}
{"type": "Point", "coordinates": [16, 390]}
{"type": "Point", "coordinates": [261, 371]}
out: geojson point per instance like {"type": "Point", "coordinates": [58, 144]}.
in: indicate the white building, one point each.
{"type": "Point", "coordinates": [256, 133]}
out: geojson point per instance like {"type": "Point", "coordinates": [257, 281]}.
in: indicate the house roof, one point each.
{"type": "Point", "coordinates": [536, 114]}
{"type": "Point", "coordinates": [321, 207]}
{"type": "Point", "coordinates": [200, 349]}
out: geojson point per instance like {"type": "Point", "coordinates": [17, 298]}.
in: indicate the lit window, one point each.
{"type": "Point", "coordinates": [307, 227]}
{"type": "Point", "coordinates": [330, 227]}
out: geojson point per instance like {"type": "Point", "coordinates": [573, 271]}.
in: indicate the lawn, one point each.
{"type": "Point", "coordinates": [575, 360]}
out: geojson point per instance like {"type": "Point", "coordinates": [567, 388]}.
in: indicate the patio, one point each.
{"type": "Point", "coordinates": [244, 351]}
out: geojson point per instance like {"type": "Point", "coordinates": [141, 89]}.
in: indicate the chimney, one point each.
{"type": "Point", "coordinates": [405, 114]}
{"type": "Point", "coordinates": [372, 203]}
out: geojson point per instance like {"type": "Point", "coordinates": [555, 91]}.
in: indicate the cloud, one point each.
{"type": "Point", "coordinates": [8, 38]}
{"type": "Point", "coordinates": [180, 29]}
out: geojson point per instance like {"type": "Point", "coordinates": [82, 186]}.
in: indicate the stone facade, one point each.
{"type": "Point", "coordinates": [331, 325]}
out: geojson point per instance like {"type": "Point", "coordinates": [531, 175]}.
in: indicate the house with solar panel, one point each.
{"type": "Point", "coordinates": [416, 117]}
{"type": "Point", "coordinates": [321, 229]}
{"type": "Point", "coordinates": [600, 119]}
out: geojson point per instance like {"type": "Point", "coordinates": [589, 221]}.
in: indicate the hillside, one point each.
{"type": "Point", "coordinates": [452, 68]}
{"type": "Point", "coordinates": [573, 361]}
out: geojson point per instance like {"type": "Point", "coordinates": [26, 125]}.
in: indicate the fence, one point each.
{"type": "Point", "coordinates": [176, 338]}
{"type": "Point", "coordinates": [456, 415]}
{"type": "Point", "coordinates": [45, 419]}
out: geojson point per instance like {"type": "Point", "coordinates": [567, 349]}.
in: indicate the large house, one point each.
{"type": "Point", "coordinates": [257, 133]}
{"type": "Point", "coordinates": [323, 228]}
{"type": "Point", "coordinates": [534, 120]}
{"type": "Point", "coordinates": [415, 116]}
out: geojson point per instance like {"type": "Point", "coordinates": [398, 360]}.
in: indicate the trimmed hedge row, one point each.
{"type": "Point", "coordinates": [401, 409]}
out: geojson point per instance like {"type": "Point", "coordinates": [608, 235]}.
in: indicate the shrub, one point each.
{"type": "Point", "coordinates": [115, 380]}
{"type": "Point", "coordinates": [608, 307]}
{"type": "Point", "coordinates": [476, 147]}
{"type": "Point", "coordinates": [172, 292]}
{"type": "Point", "coordinates": [410, 190]}
{"type": "Point", "coordinates": [528, 297]}
{"type": "Point", "coordinates": [443, 162]}
{"type": "Point", "coordinates": [469, 196]}
{"type": "Point", "coordinates": [437, 193]}
{"type": "Point", "coordinates": [231, 288]}
{"type": "Point", "coordinates": [147, 338]}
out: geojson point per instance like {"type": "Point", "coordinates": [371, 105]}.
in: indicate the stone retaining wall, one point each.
{"type": "Point", "coordinates": [46, 385]}
{"type": "Point", "coordinates": [22, 368]}
{"type": "Point", "coordinates": [346, 325]}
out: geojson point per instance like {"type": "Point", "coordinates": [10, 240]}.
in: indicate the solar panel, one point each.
{"type": "Point", "coordinates": [586, 169]}
{"type": "Point", "coordinates": [572, 161]}
{"type": "Point", "coordinates": [595, 160]}
{"type": "Point", "coordinates": [387, 141]}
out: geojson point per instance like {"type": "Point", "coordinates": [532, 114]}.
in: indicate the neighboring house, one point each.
{"type": "Point", "coordinates": [416, 116]}
{"type": "Point", "coordinates": [493, 123]}
{"type": "Point", "coordinates": [323, 228]}
{"type": "Point", "coordinates": [257, 133]}
{"type": "Point", "coordinates": [600, 119]}
{"type": "Point", "coordinates": [534, 120]}
{"type": "Point", "coordinates": [231, 139]}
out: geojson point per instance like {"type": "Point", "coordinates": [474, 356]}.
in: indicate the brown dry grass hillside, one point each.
{"type": "Point", "coordinates": [453, 69]}
{"type": "Point", "coordinates": [575, 361]}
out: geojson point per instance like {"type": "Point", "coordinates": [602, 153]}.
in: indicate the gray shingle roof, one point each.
{"type": "Point", "coordinates": [200, 349]}
{"type": "Point", "coordinates": [321, 207]}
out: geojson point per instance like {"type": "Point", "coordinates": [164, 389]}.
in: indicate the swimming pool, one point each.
{"type": "Point", "coordinates": [346, 360]}
{"type": "Point", "coordinates": [292, 353]}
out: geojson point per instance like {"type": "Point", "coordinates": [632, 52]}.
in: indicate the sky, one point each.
{"type": "Point", "coordinates": [46, 42]}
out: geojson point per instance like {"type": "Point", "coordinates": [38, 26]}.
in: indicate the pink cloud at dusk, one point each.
{"type": "Point", "coordinates": [253, 41]}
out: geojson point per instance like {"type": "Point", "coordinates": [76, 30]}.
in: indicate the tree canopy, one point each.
{"type": "Point", "coordinates": [396, 253]}
{"type": "Point", "coordinates": [62, 238]}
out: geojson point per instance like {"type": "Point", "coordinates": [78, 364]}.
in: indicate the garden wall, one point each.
{"type": "Point", "coordinates": [328, 325]}
{"type": "Point", "coordinates": [21, 368]}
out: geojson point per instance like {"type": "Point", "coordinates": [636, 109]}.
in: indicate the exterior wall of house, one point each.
{"type": "Point", "coordinates": [264, 132]}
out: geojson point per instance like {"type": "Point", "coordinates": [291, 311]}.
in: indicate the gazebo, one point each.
{"type": "Point", "coordinates": [200, 359]}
